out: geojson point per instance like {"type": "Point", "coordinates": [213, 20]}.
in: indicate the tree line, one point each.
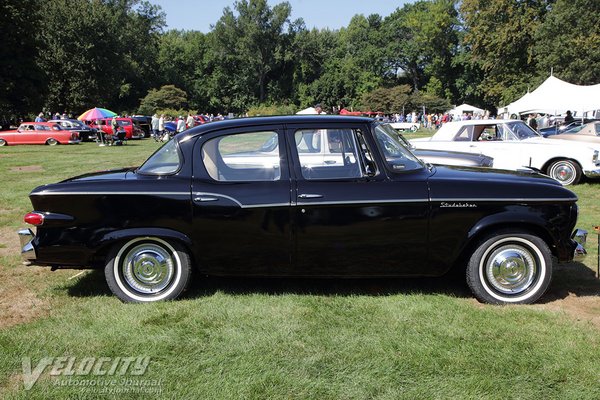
{"type": "Point", "coordinates": [70, 55]}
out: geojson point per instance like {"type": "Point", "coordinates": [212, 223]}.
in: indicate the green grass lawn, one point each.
{"type": "Point", "coordinates": [283, 338]}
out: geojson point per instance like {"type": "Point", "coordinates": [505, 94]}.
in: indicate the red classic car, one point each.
{"type": "Point", "coordinates": [39, 133]}
{"type": "Point", "coordinates": [132, 128]}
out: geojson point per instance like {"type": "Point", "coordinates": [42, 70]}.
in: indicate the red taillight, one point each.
{"type": "Point", "coordinates": [34, 218]}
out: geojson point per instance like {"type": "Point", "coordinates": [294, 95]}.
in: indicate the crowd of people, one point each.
{"type": "Point", "coordinates": [425, 120]}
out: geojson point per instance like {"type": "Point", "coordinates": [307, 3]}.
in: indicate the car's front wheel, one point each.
{"type": "Point", "coordinates": [148, 269]}
{"type": "Point", "coordinates": [510, 268]}
{"type": "Point", "coordinates": [567, 172]}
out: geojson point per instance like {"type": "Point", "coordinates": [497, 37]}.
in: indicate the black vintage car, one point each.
{"type": "Point", "coordinates": [261, 196]}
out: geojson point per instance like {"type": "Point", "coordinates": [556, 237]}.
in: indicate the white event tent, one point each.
{"type": "Point", "coordinates": [556, 96]}
{"type": "Point", "coordinates": [466, 109]}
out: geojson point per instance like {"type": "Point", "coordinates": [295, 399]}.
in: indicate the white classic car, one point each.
{"type": "Point", "coordinates": [514, 145]}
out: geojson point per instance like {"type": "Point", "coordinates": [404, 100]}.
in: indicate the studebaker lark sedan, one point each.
{"type": "Point", "coordinates": [206, 203]}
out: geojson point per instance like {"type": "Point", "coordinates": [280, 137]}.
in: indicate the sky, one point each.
{"type": "Point", "coordinates": [199, 15]}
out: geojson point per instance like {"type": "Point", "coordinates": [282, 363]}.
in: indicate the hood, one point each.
{"type": "Point", "coordinates": [495, 184]}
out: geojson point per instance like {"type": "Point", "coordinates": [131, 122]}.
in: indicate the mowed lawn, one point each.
{"type": "Point", "coordinates": [283, 338]}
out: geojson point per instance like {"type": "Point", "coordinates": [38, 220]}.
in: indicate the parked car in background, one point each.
{"type": "Point", "coordinates": [589, 132]}
{"type": "Point", "coordinates": [144, 122]}
{"type": "Point", "coordinates": [215, 201]}
{"type": "Point", "coordinates": [445, 157]}
{"type": "Point", "coordinates": [86, 133]}
{"type": "Point", "coordinates": [132, 129]}
{"type": "Point", "coordinates": [406, 126]}
{"type": "Point", "coordinates": [561, 127]}
{"type": "Point", "coordinates": [39, 133]}
{"type": "Point", "coordinates": [514, 146]}
{"type": "Point", "coordinates": [200, 119]}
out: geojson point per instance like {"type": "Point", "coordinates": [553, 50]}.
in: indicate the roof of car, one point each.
{"type": "Point", "coordinates": [283, 119]}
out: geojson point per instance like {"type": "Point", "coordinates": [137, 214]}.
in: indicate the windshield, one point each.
{"type": "Point", "coordinates": [165, 160]}
{"type": "Point", "coordinates": [397, 155]}
{"type": "Point", "coordinates": [521, 130]}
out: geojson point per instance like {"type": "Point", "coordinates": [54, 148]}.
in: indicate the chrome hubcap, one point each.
{"type": "Point", "coordinates": [511, 269]}
{"type": "Point", "coordinates": [563, 172]}
{"type": "Point", "coordinates": [148, 268]}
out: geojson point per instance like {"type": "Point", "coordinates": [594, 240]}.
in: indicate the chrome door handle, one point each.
{"type": "Point", "coordinates": [309, 196]}
{"type": "Point", "coordinates": [329, 162]}
{"type": "Point", "coordinates": [205, 198]}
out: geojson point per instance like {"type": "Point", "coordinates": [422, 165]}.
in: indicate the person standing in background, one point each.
{"type": "Point", "coordinates": [180, 124]}
{"type": "Point", "coordinates": [154, 126]}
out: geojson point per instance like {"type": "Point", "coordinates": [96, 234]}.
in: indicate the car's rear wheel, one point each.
{"type": "Point", "coordinates": [510, 268]}
{"type": "Point", "coordinates": [148, 269]}
{"type": "Point", "coordinates": [2, 142]}
{"type": "Point", "coordinates": [51, 142]}
{"type": "Point", "coordinates": [567, 172]}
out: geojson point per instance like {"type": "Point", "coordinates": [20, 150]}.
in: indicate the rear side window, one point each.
{"type": "Point", "coordinates": [243, 157]}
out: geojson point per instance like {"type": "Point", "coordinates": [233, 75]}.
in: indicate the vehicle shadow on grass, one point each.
{"type": "Point", "coordinates": [573, 278]}
{"type": "Point", "coordinates": [93, 283]}
{"type": "Point", "coordinates": [452, 286]}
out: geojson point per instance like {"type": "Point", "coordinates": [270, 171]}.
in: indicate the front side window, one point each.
{"type": "Point", "coordinates": [397, 156]}
{"type": "Point", "coordinates": [165, 160]}
{"type": "Point", "coordinates": [328, 153]}
{"type": "Point", "coordinates": [243, 157]}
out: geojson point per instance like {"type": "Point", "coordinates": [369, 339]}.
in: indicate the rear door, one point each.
{"type": "Point", "coordinates": [241, 201]}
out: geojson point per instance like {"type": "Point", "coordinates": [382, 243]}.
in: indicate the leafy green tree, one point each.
{"type": "Point", "coordinates": [182, 62]}
{"type": "Point", "coordinates": [499, 36]}
{"type": "Point", "coordinates": [167, 97]}
{"type": "Point", "coordinates": [387, 100]}
{"type": "Point", "coordinates": [21, 80]}
{"type": "Point", "coordinates": [246, 49]}
{"type": "Point", "coordinates": [421, 40]}
{"type": "Point", "coordinates": [103, 56]}
{"type": "Point", "coordinates": [569, 41]}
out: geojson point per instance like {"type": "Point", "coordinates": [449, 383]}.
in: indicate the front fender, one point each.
{"type": "Point", "coordinates": [510, 219]}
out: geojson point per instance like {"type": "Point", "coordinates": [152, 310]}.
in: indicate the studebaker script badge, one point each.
{"type": "Point", "coordinates": [457, 205]}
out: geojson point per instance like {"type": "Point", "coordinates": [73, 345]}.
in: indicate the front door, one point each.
{"type": "Point", "coordinates": [349, 217]}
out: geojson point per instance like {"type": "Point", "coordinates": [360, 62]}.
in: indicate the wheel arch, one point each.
{"type": "Point", "coordinates": [548, 163]}
{"type": "Point", "coordinates": [485, 228]}
{"type": "Point", "coordinates": [106, 242]}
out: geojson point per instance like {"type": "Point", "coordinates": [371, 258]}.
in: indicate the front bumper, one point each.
{"type": "Point", "coordinates": [74, 141]}
{"type": "Point", "coordinates": [594, 173]}
{"type": "Point", "coordinates": [26, 237]}
{"type": "Point", "coordinates": [580, 237]}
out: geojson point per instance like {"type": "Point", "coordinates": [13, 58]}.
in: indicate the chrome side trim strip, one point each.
{"type": "Point", "coordinates": [505, 199]}
{"type": "Point", "coordinates": [109, 193]}
{"type": "Point", "coordinates": [308, 203]}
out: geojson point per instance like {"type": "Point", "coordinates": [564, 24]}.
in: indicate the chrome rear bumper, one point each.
{"type": "Point", "coordinates": [27, 250]}
{"type": "Point", "coordinates": [579, 236]}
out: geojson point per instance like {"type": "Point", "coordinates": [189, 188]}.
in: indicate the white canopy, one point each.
{"type": "Point", "coordinates": [555, 96]}
{"type": "Point", "coordinates": [466, 109]}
